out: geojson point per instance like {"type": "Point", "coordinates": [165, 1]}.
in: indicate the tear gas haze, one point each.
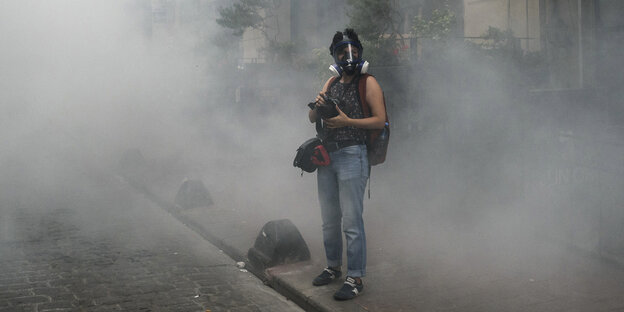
{"type": "Point", "coordinates": [482, 172]}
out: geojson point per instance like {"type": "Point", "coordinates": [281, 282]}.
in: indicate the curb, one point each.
{"type": "Point", "coordinates": [292, 293]}
{"type": "Point", "coordinates": [278, 284]}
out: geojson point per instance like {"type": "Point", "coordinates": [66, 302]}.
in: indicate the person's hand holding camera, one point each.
{"type": "Point", "coordinates": [328, 109]}
{"type": "Point", "coordinates": [339, 121]}
{"type": "Point", "coordinates": [327, 106]}
{"type": "Point", "coordinates": [315, 107]}
{"type": "Point", "coordinates": [319, 100]}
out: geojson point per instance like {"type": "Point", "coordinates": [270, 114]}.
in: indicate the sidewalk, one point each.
{"type": "Point", "coordinates": [99, 246]}
{"type": "Point", "coordinates": [418, 260]}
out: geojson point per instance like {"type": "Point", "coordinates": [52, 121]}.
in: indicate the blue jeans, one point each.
{"type": "Point", "coordinates": [341, 187]}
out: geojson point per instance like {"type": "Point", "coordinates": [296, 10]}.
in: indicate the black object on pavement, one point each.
{"type": "Point", "coordinates": [278, 242]}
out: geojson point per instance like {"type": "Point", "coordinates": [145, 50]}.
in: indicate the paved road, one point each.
{"type": "Point", "coordinates": [92, 245]}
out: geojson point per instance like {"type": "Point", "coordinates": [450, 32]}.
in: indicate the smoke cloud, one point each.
{"type": "Point", "coordinates": [475, 171]}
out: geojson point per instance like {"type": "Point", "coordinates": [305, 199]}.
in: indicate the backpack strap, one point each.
{"type": "Point", "coordinates": [366, 111]}
{"type": "Point", "coordinates": [362, 94]}
{"type": "Point", "coordinates": [319, 128]}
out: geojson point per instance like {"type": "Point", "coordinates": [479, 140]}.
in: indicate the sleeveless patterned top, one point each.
{"type": "Point", "coordinates": [348, 95]}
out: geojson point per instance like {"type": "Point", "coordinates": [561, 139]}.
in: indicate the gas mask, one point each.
{"type": "Point", "coordinates": [348, 58]}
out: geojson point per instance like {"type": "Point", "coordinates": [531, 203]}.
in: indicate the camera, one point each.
{"type": "Point", "coordinates": [327, 110]}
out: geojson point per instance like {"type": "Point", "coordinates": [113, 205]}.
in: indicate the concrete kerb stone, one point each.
{"type": "Point", "coordinates": [289, 291]}
{"type": "Point", "coordinates": [266, 276]}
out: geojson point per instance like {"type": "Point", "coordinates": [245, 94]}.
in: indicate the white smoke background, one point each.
{"type": "Point", "coordinates": [81, 83]}
{"type": "Point", "coordinates": [496, 180]}
{"type": "Point", "coordinates": [451, 192]}
{"type": "Point", "coordinates": [85, 83]}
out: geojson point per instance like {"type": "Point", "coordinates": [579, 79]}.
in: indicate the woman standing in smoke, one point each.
{"type": "Point", "coordinates": [341, 184]}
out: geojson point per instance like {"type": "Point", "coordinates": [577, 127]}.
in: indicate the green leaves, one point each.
{"type": "Point", "coordinates": [438, 26]}
{"type": "Point", "coordinates": [371, 18]}
{"type": "Point", "coordinates": [259, 15]}
{"type": "Point", "coordinates": [245, 14]}
{"type": "Point", "coordinates": [377, 23]}
{"type": "Point", "coordinates": [240, 16]}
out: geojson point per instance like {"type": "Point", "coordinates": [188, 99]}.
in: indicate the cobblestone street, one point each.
{"type": "Point", "coordinates": [110, 250]}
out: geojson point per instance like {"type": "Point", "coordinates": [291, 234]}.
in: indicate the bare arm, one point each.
{"type": "Point", "coordinates": [374, 98]}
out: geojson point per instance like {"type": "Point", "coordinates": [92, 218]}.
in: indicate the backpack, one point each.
{"type": "Point", "coordinates": [376, 139]}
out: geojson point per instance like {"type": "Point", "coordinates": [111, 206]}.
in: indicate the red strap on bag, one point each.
{"type": "Point", "coordinates": [320, 156]}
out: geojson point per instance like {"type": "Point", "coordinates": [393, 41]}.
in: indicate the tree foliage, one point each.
{"type": "Point", "coordinates": [439, 26]}
{"type": "Point", "coordinates": [259, 15]}
{"type": "Point", "coordinates": [375, 18]}
{"type": "Point", "coordinates": [242, 15]}
{"type": "Point", "coordinates": [378, 24]}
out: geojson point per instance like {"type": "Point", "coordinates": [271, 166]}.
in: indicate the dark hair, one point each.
{"type": "Point", "coordinates": [339, 36]}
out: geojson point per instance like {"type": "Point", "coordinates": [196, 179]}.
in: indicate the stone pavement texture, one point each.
{"type": "Point", "coordinates": [419, 258]}
{"type": "Point", "coordinates": [98, 246]}
{"type": "Point", "coordinates": [88, 242]}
